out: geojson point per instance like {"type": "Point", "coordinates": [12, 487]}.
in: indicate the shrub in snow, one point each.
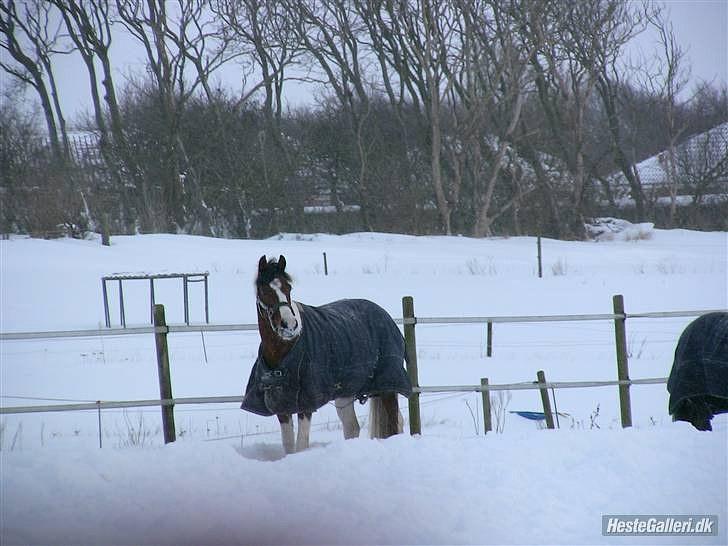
{"type": "Point", "coordinates": [616, 229]}
{"type": "Point", "coordinates": [475, 267]}
{"type": "Point", "coordinates": [498, 406]}
{"type": "Point", "coordinates": [560, 268]}
{"type": "Point", "coordinates": [594, 418]}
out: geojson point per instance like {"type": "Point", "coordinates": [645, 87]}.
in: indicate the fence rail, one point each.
{"type": "Point", "coordinates": [117, 404]}
{"type": "Point", "coordinates": [536, 386]}
{"type": "Point", "coordinates": [201, 400]}
{"type": "Point", "coordinates": [109, 332]}
{"type": "Point", "coordinates": [623, 382]}
{"type": "Point", "coordinates": [409, 321]}
{"type": "Point", "coordinates": [554, 318]}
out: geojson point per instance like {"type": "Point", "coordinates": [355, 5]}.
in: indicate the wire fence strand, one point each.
{"type": "Point", "coordinates": [109, 332]}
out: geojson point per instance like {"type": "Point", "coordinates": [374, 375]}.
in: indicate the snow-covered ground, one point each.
{"type": "Point", "coordinates": [225, 480]}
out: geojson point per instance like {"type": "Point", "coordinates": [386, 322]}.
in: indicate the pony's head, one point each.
{"type": "Point", "coordinates": [273, 287]}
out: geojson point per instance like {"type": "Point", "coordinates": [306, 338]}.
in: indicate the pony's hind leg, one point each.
{"type": "Point", "coordinates": [384, 417]}
{"type": "Point", "coordinates": [286, 432]}
{"type": "Point", "coordinates": [304, 429]}
{"type": "Point", "coordinates": [347, 415]}
{"type": "Point", "coordinates": [391, 415]}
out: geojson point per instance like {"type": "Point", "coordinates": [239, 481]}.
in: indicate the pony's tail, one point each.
{"type": "Point", "coordinates": [385, 419]}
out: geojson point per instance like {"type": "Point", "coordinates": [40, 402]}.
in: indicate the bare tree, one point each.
{"type": "Point", "coordinates": [565, 86]}
{"type": "Point", "coordinates": [263, 37]}
{"type": "Point", "coordinates": [30, 38]}
{"type": "Point", "coordinates": [266, 44]}
{"type": "Point", "coordinates": [460, 65]}
{"type": "Point", "coordinates": [391, 69]}
{"type": "Point", "coordinates": [169, 34]}
{"type": "Point", "coordinates": [332, 32]}
{"type": "Point", "coordinates": [666, 84]}
{"type": "Point", "coordinates": [503, 77]}
{"type": "Point", "coordinates": [423, 46]}
{"type": "Point", "coordinates": [88, 26]}
{"type": "Point", "coordinates": [610, 25]}
{"type": "Point", "coordinates": [147, 22]}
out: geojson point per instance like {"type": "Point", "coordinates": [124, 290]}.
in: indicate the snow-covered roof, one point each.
{"type": "Point", "coordinates": [652, 171]}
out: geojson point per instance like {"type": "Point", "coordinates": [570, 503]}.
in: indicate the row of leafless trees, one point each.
{"type": "Point", "coordinates": [471, 116]}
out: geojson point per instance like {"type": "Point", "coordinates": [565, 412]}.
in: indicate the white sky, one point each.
{"type": "Point", "coordinates": [701, 27]}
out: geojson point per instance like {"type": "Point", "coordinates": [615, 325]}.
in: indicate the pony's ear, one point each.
{"type": "Point", "coordinates": [282, 263]}
{"type": "Point", "coordinates": [262, 263]}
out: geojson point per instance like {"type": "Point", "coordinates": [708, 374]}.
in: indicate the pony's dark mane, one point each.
{"type": "Point", "coordinates": [271, 271]}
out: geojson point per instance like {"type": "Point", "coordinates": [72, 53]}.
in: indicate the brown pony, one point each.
{"type": "Point", "coordinates": [309, 356]}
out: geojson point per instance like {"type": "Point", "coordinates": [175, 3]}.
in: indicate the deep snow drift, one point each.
{"type": "Point", "coordinates": [530, 488]}
{"type": "Point", "coordinates": [225, 480]}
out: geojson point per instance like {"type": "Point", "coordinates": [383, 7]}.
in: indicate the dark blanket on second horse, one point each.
{"type": "Point", "coordinates": [348, 348]}
{"type": "Point", "coordinates": [698, 383]}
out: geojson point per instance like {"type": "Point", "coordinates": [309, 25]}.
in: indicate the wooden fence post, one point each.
{"type": "Point", "coordinates": [165, 381]}
{"type": "Point", "coordinates": [620, 339]}
{"type": "Point", "coordinates": [152, 299]}
{"type": "Point", "coordinates": [545, 400]}
{"type": "Point", "coordinates": [487, 422]}
{"type": "Point", "coordinates": [410, 345]}
{"type": "Point", "coordinates": [489, 340]}
{"type": "Point", "coordinates": [538, 247]}
{"type": "Point", "coordinates": [326, 265]}
{"type": "Point", "coordinates": [101, 444]}
{"type": "Point", "coordinates": [105, 230]}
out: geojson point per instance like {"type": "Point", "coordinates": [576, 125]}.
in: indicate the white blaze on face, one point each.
{"type": "Point", "coordinates": [291, 324]}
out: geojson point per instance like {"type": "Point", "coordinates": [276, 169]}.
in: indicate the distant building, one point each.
{"type": "Point", "coordinates": [699, 173]}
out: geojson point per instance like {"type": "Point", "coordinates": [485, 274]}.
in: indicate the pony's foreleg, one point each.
{"type": "Point", "coordinates": [304, 428]}
{"type": "Point", "coordinates": [287, 432]}
{"type": "Point", "coordinates": [347, 415]}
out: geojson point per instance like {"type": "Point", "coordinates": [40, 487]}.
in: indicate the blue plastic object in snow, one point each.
{"type": "Point", "coordinates": [531, 415]}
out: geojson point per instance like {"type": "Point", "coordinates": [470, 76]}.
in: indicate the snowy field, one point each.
{"type": "Point", "coordinates": [225, 481]}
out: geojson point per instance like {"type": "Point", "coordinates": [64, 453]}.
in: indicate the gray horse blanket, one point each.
{"type": "Point", "coordinates": [348, 348]}
{"type": "Point", "coordinates": [698, 382]}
